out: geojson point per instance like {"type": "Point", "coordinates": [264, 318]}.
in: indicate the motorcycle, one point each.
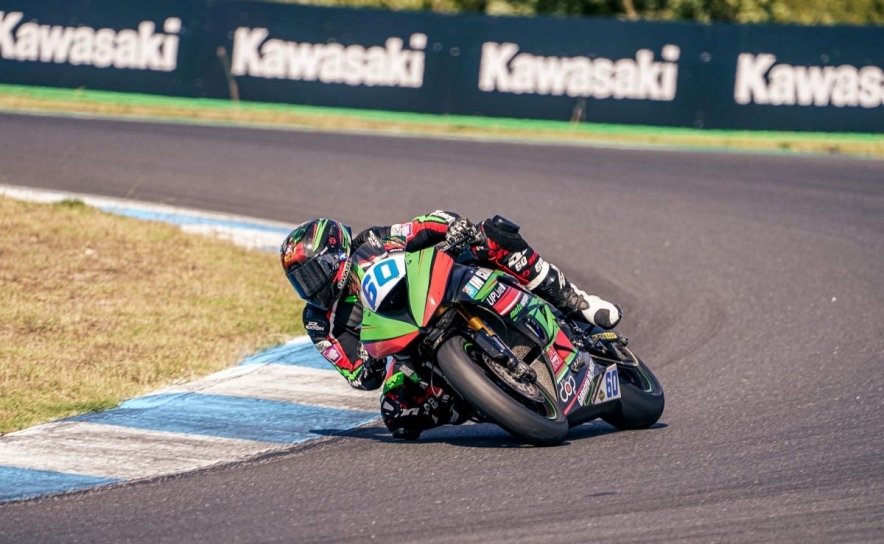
{"type": "Point", "coordinates": [510, 355]}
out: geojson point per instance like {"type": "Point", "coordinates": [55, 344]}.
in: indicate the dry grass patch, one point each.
{"type": "Point", "coordinates": [96, 308]}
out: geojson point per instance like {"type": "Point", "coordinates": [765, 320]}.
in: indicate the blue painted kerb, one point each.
{"type": "Point", "coordinates": [23, 483]}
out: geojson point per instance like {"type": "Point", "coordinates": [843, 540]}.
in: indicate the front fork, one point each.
{"type": "Point", "coordinates": [489, 342]}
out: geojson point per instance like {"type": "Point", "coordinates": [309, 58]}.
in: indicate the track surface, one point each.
{"type": "Point", "coordinates": [753, 285]}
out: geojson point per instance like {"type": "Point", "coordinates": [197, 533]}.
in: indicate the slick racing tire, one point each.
{"type": "Point", "coordinates": [470, 380]}
{"type": "Point", "coordinates": [641, 399]}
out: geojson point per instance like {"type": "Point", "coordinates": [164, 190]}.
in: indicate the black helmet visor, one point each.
{"type": "Point", "coordinates": [312, 280]}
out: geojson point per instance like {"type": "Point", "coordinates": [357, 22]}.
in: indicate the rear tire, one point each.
{"type": "Point", "coordinates": [471, 382]}
{"type": "Point", "coordinates": [641, 399]}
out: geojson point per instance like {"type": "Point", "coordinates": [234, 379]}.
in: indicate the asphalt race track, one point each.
{"type": "Point", "coordinates": [753, 285]}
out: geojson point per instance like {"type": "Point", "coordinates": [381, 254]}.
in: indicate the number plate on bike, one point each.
{"type": "Point", "coordinates": [380, 279]}
{"type": "Point", "coordinates": [609, 387]}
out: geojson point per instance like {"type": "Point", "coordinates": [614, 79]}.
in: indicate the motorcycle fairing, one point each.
{"type": "Point", "coordinates": [383, 336]}
{"type": "Point", "coordinates": [428, 271]}
{"type": "Point", "coordinates": [425, 273]}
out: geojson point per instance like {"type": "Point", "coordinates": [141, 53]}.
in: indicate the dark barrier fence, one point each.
{"type": "Point", "coordinates": [600, 70]}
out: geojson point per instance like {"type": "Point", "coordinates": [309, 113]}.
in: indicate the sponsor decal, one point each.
{"type": "Point", "coordinates": [585, 387]}
{"type": "Point", "coordinates": [567, 388]}
{"type": "Point", "coordinates": [476, 282]}
{"type": "Point", "coordinates": [133, 49]}
{"type": "Point", "coordinates": [470, 290]}
{"type": "Point", "coordinates": [256, 55]}
{"type": "Point", "coordinates": [332, 354]}
{"type": "Point", "coordinates": [760, 80]}
{"type": "Point", "coordinates": [605, 336]}
{"type": "Point", "coordinates": [507, 301]}
{"type": "Point", "coordinates": [555, 359]}
{"type": "Point", "coordinates": [314, 326]}
{"type": "Point", "coordinates": [504, 69]}
{"type": "Point", "coordinates": [520, 305]}
{"type": "Point", "coordinates": [374, 240]}
{"type": "Point", "coordinates": [495, 295]}
{"type": "Point", "coordinates": [345, 274]}
{"type": "Point", "coordinates": [401, 229]}
{"type": "Point", "coordinates": [322, 345]}
{"type": "Point", "coordinates": [517, 261]}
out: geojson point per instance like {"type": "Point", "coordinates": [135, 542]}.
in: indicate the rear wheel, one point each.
{"type": "Point", "coordinates": [641, 399]}
{"type": "Point", "coordinates": [527, 412]}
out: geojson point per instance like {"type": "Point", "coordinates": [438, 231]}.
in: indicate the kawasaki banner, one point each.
{"type": "Point", "coordinates": [147, 47]}
{"type": "Point", "coordinates": [329, 57]}
{"type": "Point", "coordinates": [600, 70]}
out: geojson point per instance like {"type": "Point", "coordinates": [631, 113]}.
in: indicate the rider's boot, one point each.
{"type": "Point", "coordinates": [508, 250]}
{"type": "Point", "coordinates": [575, 303]}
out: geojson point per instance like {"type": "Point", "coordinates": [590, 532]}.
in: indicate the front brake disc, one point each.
{"type": "Point", "coordinates": [527, 390]}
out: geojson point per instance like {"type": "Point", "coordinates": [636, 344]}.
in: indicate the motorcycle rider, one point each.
{"type": "Point", "coordinates": [317, 258]}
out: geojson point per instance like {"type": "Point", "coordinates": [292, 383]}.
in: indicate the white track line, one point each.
{"type": "Point", "coordinates": [286, 383]}
{"type": "Point", "coordinates": [78, 447]}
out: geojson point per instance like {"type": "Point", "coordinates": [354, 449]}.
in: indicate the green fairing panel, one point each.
{"type": "Point", "coordinates": [546, 319]}
{"type": "Point", "coordinates": [418, 270]}
{"type": "Point", "coordinates": [489, 286]}
{"type": "Point", "coordinates": [377, 328]}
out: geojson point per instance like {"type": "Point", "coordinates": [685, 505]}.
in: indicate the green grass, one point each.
{"type": "Point", "coordinates": [97, 308]}
{"type": "Point", "coordinates": [139, 106]}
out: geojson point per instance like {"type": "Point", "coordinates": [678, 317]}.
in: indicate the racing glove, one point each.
{"type": "Point", "coordinates": [463, 230]}
{"type": "Point", "coordinates": [373, 370]}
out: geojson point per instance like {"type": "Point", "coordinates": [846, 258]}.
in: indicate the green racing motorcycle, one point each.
{"type": "Point", "coordinates": [511, 356]}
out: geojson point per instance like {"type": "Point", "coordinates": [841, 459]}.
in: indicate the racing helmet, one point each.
{"type": "Point", "coordinates": [316, 260]}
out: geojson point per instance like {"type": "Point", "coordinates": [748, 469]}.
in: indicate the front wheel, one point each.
{"type": "Point", "coordinates": [470, 380]}
{"type": "Point", "coordinates": [641, 399]}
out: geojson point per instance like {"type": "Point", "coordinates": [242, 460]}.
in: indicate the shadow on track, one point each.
{"type": "Point", "coordinates": [482, 435]}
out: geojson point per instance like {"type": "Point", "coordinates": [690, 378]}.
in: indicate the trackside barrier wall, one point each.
{"type": "Point", "coordinates": [601, 70]}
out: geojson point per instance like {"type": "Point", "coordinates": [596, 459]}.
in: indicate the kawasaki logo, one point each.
{"type": "Point", "coordinates": [388, 66]}
{"type": "Point", "coordinates": [141, 49]}
{"type": "Point", "coordinates": [642, 78]}
{"type": "Point", "coordinates": [760, 81]}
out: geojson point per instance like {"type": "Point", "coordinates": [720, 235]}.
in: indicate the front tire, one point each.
{"type": "Point", "coordinates": [471, 382]}
{"type": "Point", "coordinates": [641, 399]}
